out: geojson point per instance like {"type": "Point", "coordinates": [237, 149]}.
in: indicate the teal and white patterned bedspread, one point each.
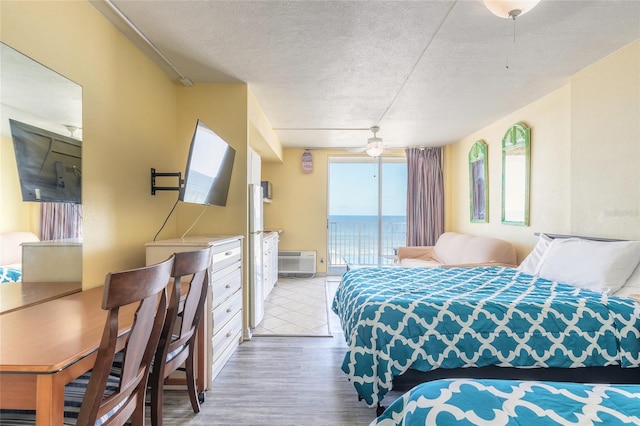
{"type": "Point", "coordinates": [397, 318]}
{"type": "Point", "coordinates": [10, 275]}
{"type": "Point", "coordinates": [512, 402]}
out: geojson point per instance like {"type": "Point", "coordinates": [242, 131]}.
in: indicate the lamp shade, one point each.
{"type": "Point", "coordinates": [510, 8]}
{"type": "Point", "coordinates": [374, 147]}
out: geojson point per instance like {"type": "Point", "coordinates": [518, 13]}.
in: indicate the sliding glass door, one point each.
{"type": "Point", "coordinates": [367, 211]}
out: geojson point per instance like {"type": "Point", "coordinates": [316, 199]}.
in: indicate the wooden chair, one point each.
{"type": "Point", "coordinates": [178, 338]}
{"type": "Point", "coordinates": [115, 400]}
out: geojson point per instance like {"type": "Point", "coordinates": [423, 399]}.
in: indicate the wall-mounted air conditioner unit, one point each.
{"type": "Point", "coordinates": [299, 263]}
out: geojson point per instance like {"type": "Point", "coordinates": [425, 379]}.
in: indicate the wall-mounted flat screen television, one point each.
{"type": "Point", "coordinates": [49, 164]}
{"type": "Point", "coordinates": [208, 170]}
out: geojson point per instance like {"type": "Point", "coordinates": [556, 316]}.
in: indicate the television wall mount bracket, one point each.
{"type": "Point", "coordinates": [155, 188]}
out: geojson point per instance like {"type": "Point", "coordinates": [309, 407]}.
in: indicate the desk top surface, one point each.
{"type": "Point", "coordinates": [50, 336]}
{"type": "Point", "coordinates": [20, 295]}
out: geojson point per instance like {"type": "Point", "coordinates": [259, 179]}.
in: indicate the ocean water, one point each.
{"type": "Point", "coordinates": [354, 239]}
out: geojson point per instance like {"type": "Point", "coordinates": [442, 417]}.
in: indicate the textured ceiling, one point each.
{"type": "Point", "coordinates": [427, 72]}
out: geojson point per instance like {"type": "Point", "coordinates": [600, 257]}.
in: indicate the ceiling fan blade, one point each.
{"type": "Point", "coordinates": [354, 149]}
{"type": "Point", "coordinates": [339, 129]}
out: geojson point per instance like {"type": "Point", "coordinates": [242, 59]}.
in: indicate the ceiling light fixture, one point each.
{"type": "Point", "coordinates": [374, 144]}
{"type": "Point", "coordinates": [510, 8]}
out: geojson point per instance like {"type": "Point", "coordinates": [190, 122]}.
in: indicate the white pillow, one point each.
{"type": "Point", "coordinates": [632, 286]}
{"type": "Point", "coordinates": [595, 265]}
{"type": "Point", "coordinates": [531, 264]}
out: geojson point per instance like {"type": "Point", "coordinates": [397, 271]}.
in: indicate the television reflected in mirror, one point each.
{"type": "Point", "coordinates": [49, 164]}
{"type": "Point", "coordinates": [208, 170]}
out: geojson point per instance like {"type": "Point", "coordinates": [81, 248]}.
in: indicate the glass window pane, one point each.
{"type": "Point", "coordinates": [367, 211]}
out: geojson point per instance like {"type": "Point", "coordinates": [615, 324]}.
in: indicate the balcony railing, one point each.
{"type": "Point", "coordinates": [352, 242]}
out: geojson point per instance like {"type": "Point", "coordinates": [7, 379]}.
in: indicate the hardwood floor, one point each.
{"type": "Point", "coordinates": [278, 381]}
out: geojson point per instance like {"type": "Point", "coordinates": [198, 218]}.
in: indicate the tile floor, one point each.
{"type": "Point", "coordinates": [300, 307]}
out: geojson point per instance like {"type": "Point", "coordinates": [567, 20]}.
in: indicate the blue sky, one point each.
{"type": "Point", "coordinates": [353, 189]}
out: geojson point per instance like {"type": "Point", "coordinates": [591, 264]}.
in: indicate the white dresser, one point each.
{"type": "Point", "coordinates": [222, 328]}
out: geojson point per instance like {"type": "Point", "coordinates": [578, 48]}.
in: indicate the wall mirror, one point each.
{"type": "Point", "coordinates": [33, 94]}
{"type": "Point", "coordinates": [478, 182]}
{"type": "Point", "coordinates": [515, 175]}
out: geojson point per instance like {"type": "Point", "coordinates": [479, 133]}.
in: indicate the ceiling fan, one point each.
{"type": "Point", "coordinates": [374, 146]}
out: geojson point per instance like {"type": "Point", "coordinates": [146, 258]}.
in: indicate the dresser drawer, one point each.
{"type": "Point", "coordinates": [225, 311]}
{"type": "Point", "coordinates": [226, 336]}
{"type": "Point", "coordinates": [225, 352]}
{"type": "Point", "coordinates": [225, 286]}
{"type": "Point", "coordinates": [225, 255]}
{"type": "Point", "coordinates": [219, 273]}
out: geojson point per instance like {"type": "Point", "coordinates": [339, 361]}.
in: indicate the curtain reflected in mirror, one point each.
{"type": "Point", "coordinates": [478, 182]}
{"type": "Point", "coordinates": [61, 221]}
{"type": "Point", "coordinates": [515, 175]}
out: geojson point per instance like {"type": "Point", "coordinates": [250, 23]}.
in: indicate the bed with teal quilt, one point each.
{"type": "Point", "coordinates": [512, 402]}
{"type": "Point", "coordinates": [447, 319]}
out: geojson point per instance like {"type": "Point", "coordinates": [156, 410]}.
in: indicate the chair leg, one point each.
{"type": "Point", "coordinates": [191, 382]}
{"type": "Point", "coordinates": [156, 389]}
{"type": "Point", "coordinates": [137, 418]}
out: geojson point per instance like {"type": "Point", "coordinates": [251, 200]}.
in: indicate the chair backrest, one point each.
{"type": "Point", "coordinates": [178, 333]}
{"type": "Point", "coordinates": [148, 287]}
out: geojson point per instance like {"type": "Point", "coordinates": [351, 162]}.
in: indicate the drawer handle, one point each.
{"type": "Point", "coordinates": [228, 253]}
{"type": "Point", "coordinates": [229, 334]}
{"type": "Point", "coordinates": [229, 310]}
{"type": "Point", "coordinates": [227, 286]}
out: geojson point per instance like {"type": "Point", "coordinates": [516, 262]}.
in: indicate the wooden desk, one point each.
{"type": "Point", "coordinates": [21, 295]}
{"type": "Point", "coordinates": [44, 347]}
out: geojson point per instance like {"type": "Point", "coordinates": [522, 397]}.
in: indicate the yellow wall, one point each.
{"type": "Point", "coordinates": [262, 137]}
{"type": "Point", "coordinates": [549, 120]}
{"type": "Point", "coordinates": [585, 159]}
{"type": "Point", "coordinates": [605, 147]}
